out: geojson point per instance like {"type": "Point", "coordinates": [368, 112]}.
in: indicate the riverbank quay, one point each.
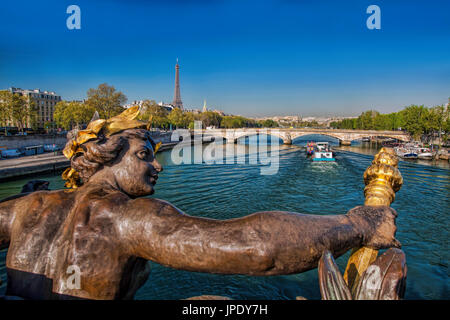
{"type": "Point", "coordinates": [43, 163]}
{"type": "Point", "coordinates": [16, 142]}
{"type": "Point", "coordinates": [12, 168]}
{"type": "Point", "coordinates": [60, 140]}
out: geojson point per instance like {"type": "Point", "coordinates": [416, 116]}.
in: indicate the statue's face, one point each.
{"type": "Point", "coordinates": [137, 170]}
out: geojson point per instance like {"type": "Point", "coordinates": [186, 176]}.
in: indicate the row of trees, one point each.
{"type": "Point", "coordinates": [162, 118]}
{"type": "Point", "coordinates": [303, 124]}
{"type": "Point", "coordinates": [416, 120]}
{"type": "Point", "coordinates": [108, 102]}
{"type": "Point", "coordinates": [17, 110]}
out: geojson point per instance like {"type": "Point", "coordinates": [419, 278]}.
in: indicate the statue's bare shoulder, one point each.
{"type": "Point", "coordinates": [153, 206]}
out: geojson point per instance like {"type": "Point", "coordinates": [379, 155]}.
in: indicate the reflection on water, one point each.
{"type": "Point", "coordinates": [224, 191]}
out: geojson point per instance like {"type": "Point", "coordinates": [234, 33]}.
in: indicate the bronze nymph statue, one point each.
{"type": "Point", "coordinates": [105, 227]}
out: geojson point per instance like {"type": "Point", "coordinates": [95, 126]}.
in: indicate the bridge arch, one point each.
{"type": "Point", "coordinates": [288, 135]}
{"type": "Point", "coordinates": [305, 134]}
{"type": "Point", "coordinates": [252, 133]}
{"type": "Point", "coordinates": [346, 136]}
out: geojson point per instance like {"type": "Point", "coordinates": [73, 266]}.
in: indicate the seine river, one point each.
{"type": "Point", "coordinates": [224, 191]}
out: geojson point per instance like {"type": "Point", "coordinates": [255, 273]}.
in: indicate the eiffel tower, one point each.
{"type": "Point", "coordinates": [177, 103]}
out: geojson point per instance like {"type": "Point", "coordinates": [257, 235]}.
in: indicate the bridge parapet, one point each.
{"type": "Point", "coordinates": [289, 134]}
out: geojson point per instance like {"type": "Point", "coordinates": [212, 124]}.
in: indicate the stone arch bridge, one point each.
{"type": "Point", "coordinates": [288, 135]}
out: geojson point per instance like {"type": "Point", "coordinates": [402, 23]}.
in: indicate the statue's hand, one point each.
{"type": "Point", "coordinates": [377, 226]}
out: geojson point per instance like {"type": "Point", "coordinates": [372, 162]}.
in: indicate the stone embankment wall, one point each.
{"type": "Point", "coordinates": [50, 161]}
{"type": "Point", "coordinates": [164, 137]}
{"type": "Point", "coordinates": [15, 142]}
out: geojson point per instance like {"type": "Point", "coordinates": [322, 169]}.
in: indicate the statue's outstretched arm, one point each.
{"type": "Point", "coordinates": [7, 208]}
{"type": "Point", "coordinates": [264, 243]}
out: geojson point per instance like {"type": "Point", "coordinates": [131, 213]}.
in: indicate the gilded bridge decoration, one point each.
{"type": "Point", "coordinates": [382, 180]}
{"type": "Point", "coordinates": [366, 276]}
{"type": "Point", "coordinates": [108, 229]}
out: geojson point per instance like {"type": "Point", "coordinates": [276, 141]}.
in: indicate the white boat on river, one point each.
{"type": "Point", "coordinates": [322, 152]}
{"type": "Point", "coordinates": [406, 153]}
{"type": "Point", "coordinates": [414, 151]}
{"type": "Point", "coordinates": [424, 153]}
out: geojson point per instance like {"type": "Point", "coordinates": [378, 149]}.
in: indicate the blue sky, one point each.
{"type": "Point", "coordinates": [254, 58]}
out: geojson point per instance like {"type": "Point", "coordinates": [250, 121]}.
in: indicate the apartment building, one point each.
{"type": "Point", "coordinates": [45, 102]}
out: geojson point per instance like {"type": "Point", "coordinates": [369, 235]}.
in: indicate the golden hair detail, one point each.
{"type": "Point", "coordinates": [125, 120]}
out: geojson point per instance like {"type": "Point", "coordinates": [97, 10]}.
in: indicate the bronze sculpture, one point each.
{"type": "Point", "coordinates": [384, 279]}
{"type": "Point", "coordinates": [366, 276]}
{"type": "Point", "coordinates": [108, 231]}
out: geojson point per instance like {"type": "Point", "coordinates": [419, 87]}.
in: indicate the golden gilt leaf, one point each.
{"type": "Point", "coordinates": [72, 178]}
{"type": "Point", "coordinates": [113, 127]}
{"type": "Point", "coordinates": [128, 114]}
{"type": "Point", "coordinates": [158, 145]}
{"type": "Point", "coordinates": [85, 136]}
{"type": "Point", "coordinates": [96, 125]}
{"type": "Point", "coordinates": [68, 152]}
{"type": "Point", "coordinates": [65, 174]}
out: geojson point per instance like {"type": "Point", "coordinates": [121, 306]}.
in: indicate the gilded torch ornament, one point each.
{"type": "Point", "coordinates": [382, 180]}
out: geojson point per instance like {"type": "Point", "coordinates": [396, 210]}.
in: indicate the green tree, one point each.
{"type": "Point", "coordinates": [269, 123]}
{"type": "Point", "coordinates": [106, 100]}
{"type": "Point", "coordinates": [151, 111]}
{"type": "Point", "coordinates": [227, 122]}
{"type": "Point", "coordinates": [413, 120]}
{"type": "Point", "coordinates": [397, 120]}
{"type": "Point", "coordinates": [438, 118]}
{"type": "Point", "coordinates": [5, 107]}
{"type": "Point", "coordinates": [367, 119]}
{"type": "Point", "coordinates": [233, 122]}
{"type": "Point", "coordinates": [23, 111]}
{"type": "Point", "coordinates": [416, 120]}
{"type": "Point", "coordinates": [177, 119]}
{"type": "Point", "coordinates": [210, 118]}
{"type": "Point", "coordinates": [69, 115]}
{"type": "Point", "coordinates": [32, 112]}
{"type": "Point", "coordinates": [446, 122]}
{"type": "Point", "coordinates": [17, 110]}
{"type": "Point", "coordinates": [189, 118]}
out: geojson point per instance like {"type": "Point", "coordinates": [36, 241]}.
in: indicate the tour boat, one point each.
{"type": "Point", "coordinates": [310, 148]}
{"type": "Point", "coordinates": [322, 152]}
